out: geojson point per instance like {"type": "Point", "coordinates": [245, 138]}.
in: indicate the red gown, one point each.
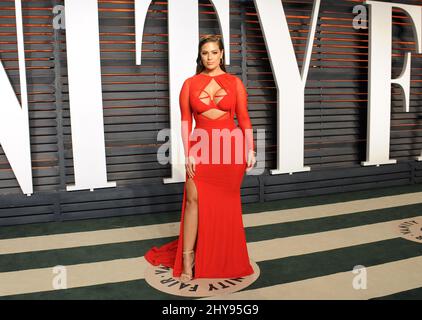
{"type": "Point", "coordinates": [220, 247]}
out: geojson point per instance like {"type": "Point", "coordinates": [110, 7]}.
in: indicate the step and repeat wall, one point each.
{"type": "Point", "coordinates": [136, 107]}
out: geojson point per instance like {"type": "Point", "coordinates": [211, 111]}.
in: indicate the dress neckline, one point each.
{"type": "Point", "coordinates": [213, 76]}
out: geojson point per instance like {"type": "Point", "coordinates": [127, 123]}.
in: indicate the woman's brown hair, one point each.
{"type": "Point", "coordinates": [210, 38]}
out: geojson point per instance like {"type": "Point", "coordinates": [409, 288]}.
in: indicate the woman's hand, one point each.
{"type": "Point", "coordinates": [251, 160]}
{"type": "Point", "coordinates": [190, 166]}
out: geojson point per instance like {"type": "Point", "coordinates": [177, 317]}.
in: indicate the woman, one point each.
{"type": "Point", "coordinates": [212, 241]}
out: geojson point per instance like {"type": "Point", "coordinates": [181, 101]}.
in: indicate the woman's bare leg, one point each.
{"type": "Point", "coordinates": [190, 226]}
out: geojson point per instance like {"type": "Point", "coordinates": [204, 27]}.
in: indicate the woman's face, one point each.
{"type": "Point", "coordinates": [211, 55]}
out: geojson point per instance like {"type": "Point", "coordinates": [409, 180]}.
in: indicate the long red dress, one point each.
{"type": "Point", "coordinates": [221, 250]}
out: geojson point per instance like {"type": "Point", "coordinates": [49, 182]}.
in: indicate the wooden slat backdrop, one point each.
{"type": "Point", "coordinates": [136, 101]}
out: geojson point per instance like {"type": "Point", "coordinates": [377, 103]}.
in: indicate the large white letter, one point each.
{"type": "Point", "coordinates": [85, 95]}
{"type": "Point", "coordinates": [290, 83]}
{"type": "Point", "coordinates": [379, 86]}
{"type": "Point", "coordinates": [14, 122]}
{"type": "Point", "coordinates": [183, 29]}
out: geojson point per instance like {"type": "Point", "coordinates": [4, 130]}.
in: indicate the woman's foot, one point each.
{"type": "Point", "coordinates": [188, 263]}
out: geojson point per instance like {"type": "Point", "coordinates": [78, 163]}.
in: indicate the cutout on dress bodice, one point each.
{"type": "Point", "coordinates": [214, 112]}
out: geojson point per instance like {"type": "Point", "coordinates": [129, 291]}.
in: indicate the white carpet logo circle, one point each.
{"type": "Point", "coordinates": [412, 229]}
{"type": "Point", "coordinates": [161, 278]}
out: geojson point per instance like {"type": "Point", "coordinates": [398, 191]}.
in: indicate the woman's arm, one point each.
{"type": "Point", "coordinates": [186, 113]}
{"type": "Point", "coordinates": [242, 114]}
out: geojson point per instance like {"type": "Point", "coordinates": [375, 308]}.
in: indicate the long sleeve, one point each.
{"type": "Point", "coordinates": [242, 114]}
{"type": "Point", "coordinates": [186, 114]}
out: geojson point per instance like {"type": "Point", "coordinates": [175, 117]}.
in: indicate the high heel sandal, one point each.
{"type": "Point", "coordinates": [184, 277]}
